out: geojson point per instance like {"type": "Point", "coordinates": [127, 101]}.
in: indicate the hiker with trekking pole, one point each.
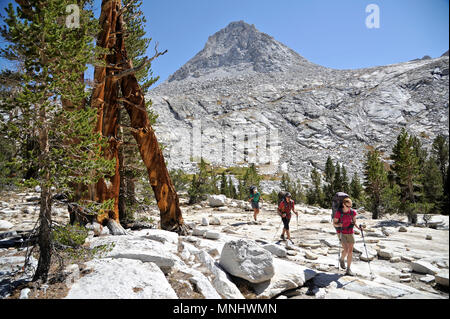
{"type": "Point", "coordinates": [284, 210]}
{"type": "Point", "coordinates": [344, 221]}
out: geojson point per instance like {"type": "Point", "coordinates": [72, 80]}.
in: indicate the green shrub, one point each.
{"type": "Point", "coordinates": [70, 235]}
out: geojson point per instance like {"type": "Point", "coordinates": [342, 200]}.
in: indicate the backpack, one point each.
{"type": "Point", "coordinates": [336, 202]}
{"type": "Point", "coordinates": [281, 196]}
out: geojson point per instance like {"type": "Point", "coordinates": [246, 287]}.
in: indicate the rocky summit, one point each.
{"type": "Point", "coordinates": [247, 98]}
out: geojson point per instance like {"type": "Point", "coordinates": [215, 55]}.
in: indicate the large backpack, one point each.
{"type": "Point", "coordinates": [336, 202]}
{"type": "Point", "coordinates": [281, 196]}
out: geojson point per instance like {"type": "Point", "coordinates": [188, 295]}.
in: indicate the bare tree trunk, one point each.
{"type": "Point", "coordinates": [45, 213]}
{"type": "Point", "coordinates": [105, 99]}
{"type": "Point", "coordinates": [122, 186]}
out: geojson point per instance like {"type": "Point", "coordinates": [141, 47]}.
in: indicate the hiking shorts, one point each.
{"type": "Point", "coordinates": [255, 205]}
{"type": "Point", "coordinates": [285, 222]}
{"type": "Point", "coordinates": [347, 238]}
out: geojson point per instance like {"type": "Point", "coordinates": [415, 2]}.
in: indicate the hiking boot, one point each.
{"type": "Point", "coordinates": [342, 263]}
{"type": "Point", "coordinates": [349, 272]}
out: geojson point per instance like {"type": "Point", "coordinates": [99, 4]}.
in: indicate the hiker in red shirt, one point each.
{"type": "Point", "coordinates": [284, 210]}
{"type": "Point", "coordinates": [344, 221]}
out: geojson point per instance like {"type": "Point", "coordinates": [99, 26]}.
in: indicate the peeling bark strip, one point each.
{"type": "Point", "coordinates": [105, 98]}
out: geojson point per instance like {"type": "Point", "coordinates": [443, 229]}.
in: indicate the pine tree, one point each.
{"type": "Point", "coordinates": [298, 192]}
{"type": "Point", "coordinates": [200, 185]}
{"type": "Point", "coordinates": [446, 199]}
{"type": "Point", "coordinates": [242, 190]}
{"type": "Point", "coordinates": [295, 188]}
{"type": "Point", "coordinates": [53, 94]}
{"type": "Point", "coordinates": [338, 181]}
{"type": "Point", "coordinates": [432, 185]}
{"type": "Point", "coordinates": [329, 188]}
{"type": "Point", "coordinates": [25, 141]}
{"type": "Point", "coordinates": [285, 182]}
{"type": "Point", "coordinates": [251, 177]}
{"type": "Point", "coordinates": [440, 151]}
{"type": "Point", "coordinates": [356, 189]}
{"type": "Point", "coordinates": [232, 189]}
{"type": "Point", "coordinates": [406, 166]}
{"type": "Point", "coordinates": [314, 195]}
{"type": "Point", "coordinates": [345, 182]}
{"type": "Point", "coordinates": [329, 171]}
{"type": "Point", "coordinates": [376, 181]}
{"type": "Point", "coordinates": [224, 185]}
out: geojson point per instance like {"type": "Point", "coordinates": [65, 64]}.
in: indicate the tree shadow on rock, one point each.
{"type": "Point", "coordinates": [391, 223]}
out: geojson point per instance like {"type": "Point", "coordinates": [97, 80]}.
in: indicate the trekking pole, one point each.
{"type": "Point", "coordinates": [367, 254]}
{"type": "Point", "coordinates": [339, 251]}
{"type": "Point", "coordinates": [275, 236]}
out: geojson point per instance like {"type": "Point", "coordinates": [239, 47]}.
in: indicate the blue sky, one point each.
{"type": "Point", "coordinates": [332, 33]}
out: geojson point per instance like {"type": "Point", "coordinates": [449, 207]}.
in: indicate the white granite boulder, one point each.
{"type": "Point", "coordinates": [221, 282]}
{"type": "Point", "coordinates": [385, 253]}
{"type": "Point", "coordinates": [143, 249]}
{"type": "Point", "coordinates": [359, 248]}
{"type": "Point", "coordinates": [122, 278]}
{"type": "Point", "coordinates": [5, 225]}
{"type": "Point", "coordinates": [277, 250]}
{"type": "Point", "coordinates": [210, 234]}
{"type": "Point", "coordinates": [245, 259]}
{"type": "Point", "coordinates": [217, 200]}
{"type": "Point", "coordinates": [205, 221]}
{"type": "Point", "coordinates": [163, 236]}
{"type": "Point", "coordinates": [424, 267]}
{"type": "Point", "coordinates": [214, 220]}
{"type": "Point", "coordinates": [202, 284]}
{"type": "Point", "coordinates": [441, 277]}
{"type": "Point", "coordinates": [199, 232]}
{"type": "Point", "coordinates": [288, 275]}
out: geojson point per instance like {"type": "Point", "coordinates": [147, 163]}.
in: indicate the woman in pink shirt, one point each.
{"type": "Point", "coordinates": [344, 221]}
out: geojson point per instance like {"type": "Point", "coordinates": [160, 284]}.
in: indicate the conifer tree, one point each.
{"type": "Point", "coordinates": [295, 188]}
{"type": "Point", "coordinates": [376, 181]}
{"type": "Point", "coordinates": [232, 189]}
{"type": "Point", "coordinates": [53, 94]}
{"type": "Point", "coordinates": [338, 181]}
{"type": "Point", "coordinates": [440, 151]}
{"type": "Point", "coordinates": [345, 182]}
{"type": "Point", "coordinates": [356, 189]}
{"type": "Point", "coordinates": [407, 158]}
{"type": "Point", "coordinates": [329, 188]}
{"type": "Point", "coordinates": [200, 185]}
{"type": "Point", "coordinates": [446, 199]}
{"type": "Point", "coordinates": [224, 185]}
{"type": "Point", "coordinates": [314, 195]}
{"type": "Point", "coordinates": [432, 186]}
